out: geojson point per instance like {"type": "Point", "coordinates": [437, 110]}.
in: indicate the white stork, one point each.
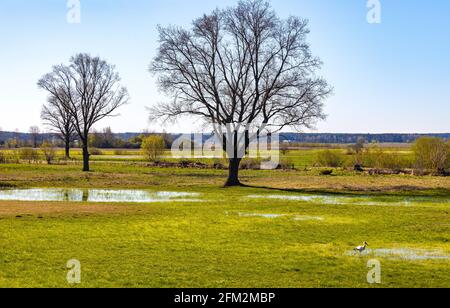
{"type": "Point", "coordinates": [361, 249]}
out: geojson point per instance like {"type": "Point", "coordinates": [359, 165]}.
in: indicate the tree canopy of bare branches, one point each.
{"type": "Point", "coordinates": [240, 66]}
{"type": "Point", "coordinates": [89, 90]}
{"type": "Point", "coordinates": [58, 118]}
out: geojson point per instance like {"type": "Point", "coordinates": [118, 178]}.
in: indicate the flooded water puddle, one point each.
{"type": "Point", "coordinates": [274, 216]}
{"type": "Point", "coordinates": [308, 218]}
{"type": "Point", "coordinates": [403, 254]}
{"type": "Point", "coordinates": [95, 195]}
{"type": "Point", "coordinates": [356, 200]}
{"type": "Point", "coordinates": [271, 216]}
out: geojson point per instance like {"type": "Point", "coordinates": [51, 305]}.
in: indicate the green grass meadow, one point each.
{"type": "Point", "coordinates": [226, 240]}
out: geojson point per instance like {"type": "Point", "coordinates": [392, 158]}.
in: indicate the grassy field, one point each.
{"type": "Point", "coordinates": [299, 157]}
{"type": "Point", "coordinates": [263, 235]}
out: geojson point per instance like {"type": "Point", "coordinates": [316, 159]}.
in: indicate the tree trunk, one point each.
{"type": "Point", "coordinates": [233, 173]}
{"type": "Point", "coordinates": [67, 143]}
{"type": "Point", "coordinates": [85, 158]}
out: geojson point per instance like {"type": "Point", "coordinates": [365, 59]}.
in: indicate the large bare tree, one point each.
{"type": "Point", "coordinates": [58, 118]}
{"type": "Point", "coordinates": [89, 89]}
{"type": "Point", "coordinates": [240, 67]}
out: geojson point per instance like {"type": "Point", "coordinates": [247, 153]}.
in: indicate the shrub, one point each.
{"type": "Point", "coordinates": [219, 163]}
{"type": "Point", "coordinates": [389, 161]}
{"type": "Point", "coordinates": [2, 158]}
{"type": "Point", "coordinates": [29, 154]}
{"type": "Point", "coordinates": [447, 145]}
{"type": "Point", "coordinates": [120, 152]}
{"type": "Point", "coordinates": [11, 143]}
{"type": "Point", "coordinates": [329, 158]}
{"type": "Point", "coordinates": [153, 147]}
{"type": "Point", "coordinates": [286, 164]}
{"type": "Point", "coordinates": [12, 157]}
{"type": "Point", "coordinates": [251, 163]}
{"type": "Point", "coordinates": [358, 147]}
{"type": "Point", "coordinates": [49, 152]}
{"type": "Point", "coordinates": [326, 172]}
{"type": "Point", "coordinates": [376, 157]}
{"type": "Point", "coordinates": [284, 149]}
{"type": "Point", "coordinates": [95, 151]}
{"type": "Point", "coordinates": [431, 154]}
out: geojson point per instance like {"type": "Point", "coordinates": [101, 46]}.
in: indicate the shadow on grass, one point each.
{"type": "Point", "coordinates": [7, 185]}
{"type": "Point", "coordinates": [398, 191]}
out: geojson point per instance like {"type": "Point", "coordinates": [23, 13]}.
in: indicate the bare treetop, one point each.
{"type": "Point", "coordinates": [88, 90]}
{"type": "Point", "coordinates": [241, 65]}
{"type": "Point", "coordinates": [56, 116]}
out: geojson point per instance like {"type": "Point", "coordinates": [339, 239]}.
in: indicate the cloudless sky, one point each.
{"type": "Point", "coordinates": [388, 77]}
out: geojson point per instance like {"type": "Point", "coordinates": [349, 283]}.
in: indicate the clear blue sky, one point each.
{"type": "Point", "coordinates": [390, 77]}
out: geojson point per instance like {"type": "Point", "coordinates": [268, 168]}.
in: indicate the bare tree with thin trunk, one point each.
{"type": "Point", "coordinates": [90, 90]}
{"type": "Point", "coordinates": [240, 67]}
{"type": "Point", "coordinates": [58, 118]}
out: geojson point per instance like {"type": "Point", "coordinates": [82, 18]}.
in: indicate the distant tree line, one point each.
{"type": "Point", "coordinates": [353, 138]}
{"type": "Point", "coordinates": [33, 139]}
{"type": "Point", "coordinates": [107, 139]}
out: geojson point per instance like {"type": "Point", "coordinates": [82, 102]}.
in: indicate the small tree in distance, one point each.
{"type": "Point", "coordinates": [153, 147]}
{"type": "Point", "coordinates": [49, 151]}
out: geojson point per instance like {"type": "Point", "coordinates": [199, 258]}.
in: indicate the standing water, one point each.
{"type": "Point", "coordinates": [95, 195]}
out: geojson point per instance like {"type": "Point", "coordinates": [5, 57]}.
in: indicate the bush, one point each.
{"type": "Point", "coordinates": [284, 149]}
{"type": "Point", "coordinates": [219, 163]}
{"type": "Point", "coordinates": [120, 152]}
{"type": "Point", "coordinates": [2, 158]}
{"type": "Point", "coordinates": [11, 143]}
{"type": "Point", "coordinates": [95, 151]}
{"type": "Point", "coordinates": [448, 156]}
{"type": "Point", "coordinates": [330, 158]}
{"type": "Point", "coordinates": [29, 154]}
{"type": "Point", "coordinates": [358, 147]}
{"type": "Point", "coordinates": [286, 164]}
{"type": "Point", "coordinates": [12, 157]}
{"type": "Point", "coordinates": [153, 147]}
{"type": "Point", "coordinates": [376, 157]}
{"type": "Point", "coordinates": [49, 152]}
{"type": "Point", "coordinates": [326, 172]}
{"type": "Point", "coordinates": [251, 163]}
{"type": "Point", "coordinates": [432, 154]}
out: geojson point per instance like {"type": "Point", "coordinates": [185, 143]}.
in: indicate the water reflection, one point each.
{"type": "Point", "coordinates": [95, 195]}
{"type": "Point", "coordinates": [357, 200]}
{"type": "Point", "coordinates": [261, 215]}
{"type": "Point", "coordinates": [403, 254]}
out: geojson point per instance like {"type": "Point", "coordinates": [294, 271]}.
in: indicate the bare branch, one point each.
{"type": "Point", "coordinates": [240, 65]}
{"type": "Point", "coordinates": [85, 92]}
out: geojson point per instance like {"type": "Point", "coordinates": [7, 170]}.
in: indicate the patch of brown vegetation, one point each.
{"type": "Point", "coordinates": [182, 165]}
{"type": "Point", "coordinates": [356, 183]}
{"type": "Point", "coordinates": [21, 209]}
